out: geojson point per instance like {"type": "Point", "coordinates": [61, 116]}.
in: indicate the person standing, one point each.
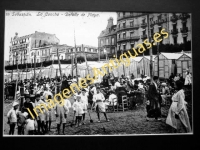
{"type": "Point", "coordinates": [99, 105]}
{"type": "Point", "coordinates": [177, 115]}
{"type": "Point", "coordinates": [84, 99]}
{"type": "Point", "coordinates": [61, 115]}
{"type": "Point", "coordinates": [188, 80]}
{"type": "Point", "coordinates": [154, 98]}
{"type": "Point", "coordinates": [12, 117]}
{"type": "Point", "coordinates": [78, 107]}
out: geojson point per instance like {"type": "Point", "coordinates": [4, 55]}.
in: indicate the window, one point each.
{"type": "Point", "coordinates": [61, 57]}
{"type": "Point", "coordinates": [101, 42]}
{"type": "Point", "coordinates": [132, 45]}
{"type": "Point", "coordinates": [37, 60]}
{"type": "Point", "coordinates": [119, 36]}
{"type": "Point", "coordinates": [159, 17]}
{"type": "Point", "coordinates": [123, 13]}
{"type": "Point", "coordinates": [113, 41]}
{"type": "Point", "coordinates": [91, 50]}
{"type": "Point", "coordinates": [45, 51]}
{"type": "Point", "coordinates": [49, 51]}
{"type": "Point", "coordinates": [175, 40]}
{"type": "Point", "coordinates": [185, 39]}
{"type": "Point", "coordinates": [85, 49]}
{"type": "Point", "coordinates": [118, 47]}
{"type": "Point", "coordinates": [124, 25]}
{"type": "Point", "coordinates": [131, 34]}
{"type": "Point", "coordinates": [131, 23]}
{"type": "Point", "coordinates": [38, 53]}
{"type": "Point", "coordinates": [124, 35]}
{"type": "Point", "coordinates": [32, 60]}
{"type": "Point", "coordinates": [124, 47]}
{"type": "Point", "coordinates": [107, 41]}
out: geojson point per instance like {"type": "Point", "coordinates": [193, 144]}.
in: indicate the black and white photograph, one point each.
{"type": "Point", "coordinates": [92, 73]}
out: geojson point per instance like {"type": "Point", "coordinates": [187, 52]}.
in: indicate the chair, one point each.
{"type": "Point", "coordinates": [124, 104]}
{"type": "Point", "coordinates": [113, 107]}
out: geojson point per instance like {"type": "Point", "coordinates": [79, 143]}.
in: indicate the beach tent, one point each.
{"type": "Point", "coordinates": [167, 64]}
{"type": "Point", "coordinates": [184, 62]}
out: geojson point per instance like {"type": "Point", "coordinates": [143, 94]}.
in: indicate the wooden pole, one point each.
{"type": "Point", "coordinates": [75, 57]}
{"type": "Point", "coordinates": [158, 59]}
{"type": "Point", "coordinates": [59, 65]}
{"type": "Point", "coordinates": [150, 50]}
{"type": "Point", "coordinates": [34, 66]}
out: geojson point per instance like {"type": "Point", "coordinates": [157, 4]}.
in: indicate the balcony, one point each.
{"type": "Point", "coordinates": [128, 38]}
{"type": "Point", "coordinates": [135, 26]}
{"type": "Point", "coordinates": [130, 16]}
{"type": "Point", "coordinates": [184, 30]}
{"type": "Point", "coordinates": [143, 36]}
{"type": "Point", "coordinates": [174, 31]}
{"type": "Point", "coordinates": [174, 18]}
{"type": "Point", "coordinates": [184, 16]}
{"type": "Point", "coordinates": [143, 25]}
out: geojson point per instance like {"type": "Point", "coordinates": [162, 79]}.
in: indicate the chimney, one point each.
{"type": "Point", "coordinates": [110, 23]}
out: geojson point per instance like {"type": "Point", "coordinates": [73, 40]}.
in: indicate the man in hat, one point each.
{"type": "Point", "coordinates": [12, 117]}
{"type": "Point", "coordinates": [29, 105]}
{"type": "Point", "coordinates": [154, 98]}
{"type": "Point", "coordinates": [98, 100]}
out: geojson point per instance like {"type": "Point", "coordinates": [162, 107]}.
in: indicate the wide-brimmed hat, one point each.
{"type": "Point", "coordinates": [15, 104]}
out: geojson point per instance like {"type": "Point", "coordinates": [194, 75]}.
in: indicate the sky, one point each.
{"type": "Point", "coordinates": [87, 26]}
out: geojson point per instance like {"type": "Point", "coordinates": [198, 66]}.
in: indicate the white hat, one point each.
{"type": "Point", "coordinates": [164, 84]}
{"type": "Point", "coordinates": [15, 104]}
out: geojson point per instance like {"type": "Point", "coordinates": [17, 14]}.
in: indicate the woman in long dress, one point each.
{"type": "Point", "coordinates": [177, 115]}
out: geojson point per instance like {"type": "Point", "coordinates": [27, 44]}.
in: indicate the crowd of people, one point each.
{"type": "Point", "coordinates": [99, 97]}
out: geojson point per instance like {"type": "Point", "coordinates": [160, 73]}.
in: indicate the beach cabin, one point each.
{"type": "Point", "coordinates": [167, 64]}
{"type": "Point", "coordinates": [184, 62]}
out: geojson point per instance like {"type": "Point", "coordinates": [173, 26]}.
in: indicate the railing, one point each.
{"type": "Point", "coordinates": [131, 15]}
{"type": "Point", "coordinates": [127, 27]}
{"type": "Point", "coordinates": [184, 16]}
{"type": "Point", "coordinates": [143, 24]}
{"type": "Point", "coordinates": [174, 31]}
{"type": "Point", "coordinates": [143, 36]}
{"type": "Point", "coordinates": [174, 18]}
{"type": "Point", "coordinates": [129, 38]}
{"type": "Point", "coordinates": [184, 30]}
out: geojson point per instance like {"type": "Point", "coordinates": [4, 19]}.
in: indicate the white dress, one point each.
{"type": "Point", "coordinates": [99, 104]}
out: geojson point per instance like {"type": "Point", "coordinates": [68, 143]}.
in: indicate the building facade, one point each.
{"type": "Point", "coordinates": [107, 40]}
{"type": "Point", "coordinates": [82, 50]}
{"type": "Point", "coordinates": [131, 29]}
{"type": "Point", "coordinates": [22, 49]}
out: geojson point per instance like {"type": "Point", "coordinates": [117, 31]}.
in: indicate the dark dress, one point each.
{"type": "Point", "coordinates": [155, 99]}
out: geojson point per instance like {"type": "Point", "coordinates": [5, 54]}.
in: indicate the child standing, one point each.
{"type": "Point", "coordinates": [78, 110]}
{"type": "Point", "coordinates": [84, 99]}
{"type": "Point", "coordinates": [30, 126]}
{"type": "Point", "coordinates": [21, 115]}
{"type": "Point", "coordinates": [12, 117]}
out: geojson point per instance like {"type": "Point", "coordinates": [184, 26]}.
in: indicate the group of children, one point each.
{"type": "Point", "coordinates": [26, 123]}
